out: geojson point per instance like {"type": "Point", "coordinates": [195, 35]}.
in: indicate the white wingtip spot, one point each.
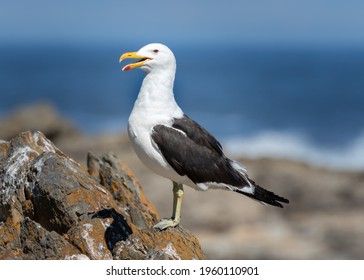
{"type": "Point", "coordinates": [248, 189]}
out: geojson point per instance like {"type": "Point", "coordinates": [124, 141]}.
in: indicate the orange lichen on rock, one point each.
{"type": "Point", "coordinates": [51, 207]}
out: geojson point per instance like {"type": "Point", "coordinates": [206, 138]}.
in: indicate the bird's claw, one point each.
{"type": "Point", "coordinates": [166, 223]}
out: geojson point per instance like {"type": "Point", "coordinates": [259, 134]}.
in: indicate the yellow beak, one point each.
{"type": "Point", "coordinates": [137, 64]}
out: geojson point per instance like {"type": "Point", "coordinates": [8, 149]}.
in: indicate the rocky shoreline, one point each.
{"type": "Point", "coordinates": [324, 219]}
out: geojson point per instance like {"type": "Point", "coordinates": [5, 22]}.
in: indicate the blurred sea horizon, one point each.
{"type": "Point", "coordinates": [300, 103]}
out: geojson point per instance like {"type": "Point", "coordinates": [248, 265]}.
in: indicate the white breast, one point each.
{"type": "Point", "coordinates": [140, 136]}
{"type": "Point", "coordinates": [155, 105]}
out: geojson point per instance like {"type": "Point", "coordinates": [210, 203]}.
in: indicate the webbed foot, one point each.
{"type": "Point", "coordinates": [176, 215]}
{"type": "Point", "coordinates": [166, 223]}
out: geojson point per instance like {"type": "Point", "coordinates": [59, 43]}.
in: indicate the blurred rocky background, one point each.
{"type": "Point", "coordinates": [324, 219]}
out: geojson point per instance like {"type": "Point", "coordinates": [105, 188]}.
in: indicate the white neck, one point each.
{"type": "Point", "coordinates": [156, 95]}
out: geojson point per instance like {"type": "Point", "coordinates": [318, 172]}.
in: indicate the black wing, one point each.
{"type": "Point", "coordinates": [192, 151]}
{"type": "Point", "coordinates": [197, 133]}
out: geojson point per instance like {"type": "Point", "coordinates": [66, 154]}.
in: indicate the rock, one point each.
{"type": "Point", "coordinates": [34, 117]}
{"type": "Point", "coordinates": [131, 196]}
{"type": "Point", "coordinates": [39, 243]}
{"type": "Point", "coordinates": [51, 207]}
{"type": "Point", "coordinates": [171, 244]}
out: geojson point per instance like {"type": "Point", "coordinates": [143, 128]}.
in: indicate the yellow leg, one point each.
{"type": "Point", "coordinates": [177, 204]}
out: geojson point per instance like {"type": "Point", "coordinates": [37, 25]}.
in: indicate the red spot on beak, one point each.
{"type": "Point", "coordinates": [127, 68]}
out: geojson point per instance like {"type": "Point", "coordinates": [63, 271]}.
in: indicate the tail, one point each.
{"type": "Point", "coordinates": [254, 191]}
{"type": "Point", "coordinates": [264, 196]}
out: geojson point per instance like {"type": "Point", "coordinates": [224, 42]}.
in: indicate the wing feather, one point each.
{"type": "Point", "coordinates": [193, 152]}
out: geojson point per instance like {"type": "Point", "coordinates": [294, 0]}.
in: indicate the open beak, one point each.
{"type": "Point", "coordinates": [139, 63]}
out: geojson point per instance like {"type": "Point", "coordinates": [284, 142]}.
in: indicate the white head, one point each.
{"type": "Point", "coordinates": [152, 57]}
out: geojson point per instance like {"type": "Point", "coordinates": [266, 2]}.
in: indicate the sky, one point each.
{"type": "Point", "coordinates": [183, 22]}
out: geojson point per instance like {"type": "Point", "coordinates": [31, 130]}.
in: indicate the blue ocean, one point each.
{"type": "Point", "coordinates": [298, 103]}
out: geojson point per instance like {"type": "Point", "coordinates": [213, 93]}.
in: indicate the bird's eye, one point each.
{"type": "Point", "coordinates": [155, 51]}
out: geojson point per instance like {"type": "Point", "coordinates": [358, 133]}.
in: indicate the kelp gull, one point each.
{"type": "Point", "coordinates": [173, 145]}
